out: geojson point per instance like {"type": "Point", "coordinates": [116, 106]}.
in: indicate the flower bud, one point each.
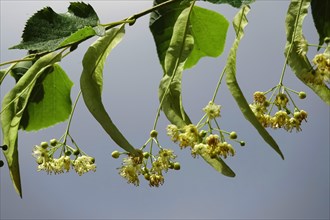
{"type": "Point", "coordinates": [146, 155]}
{"type": "Point", "coordinates": [115, 154]}
{"type": "Point", "coordinates": [266, 103]}
{"type": "Point", "coordinates": [53, 142]}
{"type": "Point", "coordinates": [4, 147]}
{"type": "Point", "coordinates": [153, 134]}
{"type": "Point", "coordinates": [1, 163]}
{"type": "Point", "coordinates": [76, 152]}
{"type": "Point", "coordinates": [302, 95]}
{"type": "Point", "coordinates": [233, 135]}
{"type": "Point", "coordinates": [177, 166]}
{"type": "Point", "coordinates": [44, 145]}
{"type": "Point", "coordinates": [68, 153]}
{"type": "Point", "coordinates": [242, 143]}
{"type": "Point", "coordinates": [39, 160]}
{"type": "Point", "coordinates": [202, 133]}
{"type": "Point", "coordinates": [93, 160]}
{"type": "Point", "coordinates": [296, 115]}
{"type": "Point", "coordinates": [145, 170]}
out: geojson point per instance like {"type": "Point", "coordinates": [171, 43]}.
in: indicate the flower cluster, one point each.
{"type": "Point", "coordinates": [322, 72]}
{"type": "Point", "coordinates": [135, 165]}
{"type": "Point", "coordinates": [199, 143]}
{"type": "Point", "coordinates": [284, 117]}
{"type": "Point", "coordinates": [202, 142]}
{"type": "Point", "coordinates": [44, 155]}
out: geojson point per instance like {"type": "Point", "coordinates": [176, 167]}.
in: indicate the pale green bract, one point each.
{"type": "Point", "coordinates": [299, 63]}
{"type": "Point", "coordinates": [13, 106]}
{"type": "Point", "coordinates": [179, 49]}
{"type": "Point", "coordinates": [239, 23]}
{"type": "Point", "coordinates": [218, 164]}
{"type": "Point", "coordinates": [2, 75]}
{"type": "Point", "coordinates": [91, 83]}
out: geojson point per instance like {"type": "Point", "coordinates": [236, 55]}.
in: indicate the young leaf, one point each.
{"type": "Point", "coordinates": [234, 3]}
{"type": "Point", "coordinates": [13, 106]}
{"type": "Point", "coordinates": [299, 63]}
{"type": "Point", "coordinates": [180, 46]}
{"type": "Point", "coordinates": [321, 17]}
{"type": "Point", "coordinates": [219, 165]}
{"type": "Point", "coordinates": [239, 23]}
{"type": "Point", "coordinates": [50, 101]}
{"type": "Point", "coordinates": [46, 30]}
{"type": "Point", "coordinates": [161, 25]}
{"type": "Point", "coordinates": [209, 30]}
{"type": "Point", "coordinates": [91, 83]}
{"type": "Point", "coordinates": [78, 36]}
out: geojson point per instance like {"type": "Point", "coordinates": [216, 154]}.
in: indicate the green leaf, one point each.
{"type": "Point", "coordinates": [239, 23]}
{"type": "Point", "coordinates": [91, 83]}
{"type": "Point", "coordinates": [180, 47]}
{"type": "Point", "coordinates": [13, 105]}
{"type": "Point", "coordinates": [161, 25]}
{"type": "Point", "coordinates": [50, 101]}
{"type": "Point", "coordinates": [299, 63]}
{"type": "Point", "coordinates": [209, 30]}
{"type": "Point", "coordinates": [234, 3]}
{"type": "Point", "coordinates": [321, 17]}
{"type": "Point", "coordinates": [46, 30]}
{"type": "Point", "coordinates": [218, 164]}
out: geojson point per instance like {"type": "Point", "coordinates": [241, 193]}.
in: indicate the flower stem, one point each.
{"type": "Point", "coordinates": [131, 20]}
{"type": "Point", "coordinates": [218, 85]}
{"type": "Point", "coordinates": [17, 61]}
{"type": "Point", "coordinates": [291, 43]}
{"type": "Point", "coordinates": [70, 118]}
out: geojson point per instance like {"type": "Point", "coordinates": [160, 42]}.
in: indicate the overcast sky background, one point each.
{"type": "Point", "coordinates": [265, 187]}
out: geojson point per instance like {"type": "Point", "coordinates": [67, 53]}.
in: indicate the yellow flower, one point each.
{"type": "Point", "coordinates": [165, 157]}
{"type": "Point", "coordinates": [293, 123]}
{"type": "Point", "coordinates": [173, 132]}
{"type": "Point", "coordinates": [212, 110]}
{"type": "Point", "coordinates": [130, 171]}
{"type": "Point", "coordinates": [84, 164]}
{"type": "Point", "coordinates": [156, 180]}
{"type": "Point", "coordinates": [198, 149]}
{"type": "Point", "coordinates": [259, 97]}
{"type": "Point", "coordinates": [258, 109]}
{"type": "Point", "coordinates": [281, 100]}
{"type": "Point", "coordinates": [217, 148]}
{"type": "Point", "coordinates": [280, 119]}
{"type": "Point", "coordinates": [189, 137]}
{"type": "Point", "coordinates": [46, 166]}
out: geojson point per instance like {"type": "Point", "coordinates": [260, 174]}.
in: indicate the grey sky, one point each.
{"type": "Point", "coordinates": [264, 187]}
